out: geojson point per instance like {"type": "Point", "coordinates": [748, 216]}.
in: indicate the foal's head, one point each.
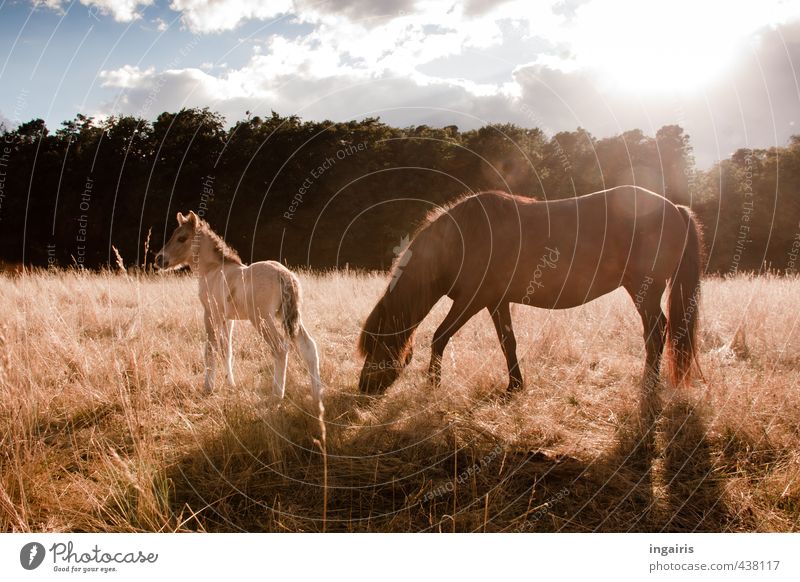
{"type": "Point", "coordinates": [178, 250]}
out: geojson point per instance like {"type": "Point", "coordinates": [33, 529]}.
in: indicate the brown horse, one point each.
{"type": "Point", "coordinates": [491, 249]}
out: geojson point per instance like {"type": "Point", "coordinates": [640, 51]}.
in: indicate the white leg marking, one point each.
{"type": "Point", "coordinates": [308, 350]}
{"type": "Point", "coordinates": [229, 353]}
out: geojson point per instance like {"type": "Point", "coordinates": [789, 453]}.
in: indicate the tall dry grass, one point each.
{"type": "Point", "coordinates": [103, 425]}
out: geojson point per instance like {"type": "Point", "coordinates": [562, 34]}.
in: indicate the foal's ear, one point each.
{"type": "Point", "coordinates": [192, 218]}
{"type": "Point", "coordinates": [181, 218]}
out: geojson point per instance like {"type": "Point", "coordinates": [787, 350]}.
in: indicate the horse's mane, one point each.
{"type": "Point", "coordinates": [432, 215]}
{"type": "Point", "coordinates": [415, 282]}
{"type": "Point", "coordinates": [225, 251]}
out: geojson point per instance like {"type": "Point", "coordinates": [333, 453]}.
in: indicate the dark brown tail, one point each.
{"type": "Point", "coordinates": [683, 305]}
{"type": "Point", "coordinates": [290, 303]}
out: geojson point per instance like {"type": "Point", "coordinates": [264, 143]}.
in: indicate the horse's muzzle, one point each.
{"type": "Point", "coordinates": [376, 381]}
{"type": "Point", "coordinates": [160, 261]}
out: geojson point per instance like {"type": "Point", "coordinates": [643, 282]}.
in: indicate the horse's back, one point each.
{"type": "Point", "coordinates": [657, 227]}
{"type": "Point", "coordinates": [265, 280]}
{"type": "Point", "coordinates": [249, 291]}
{"type": "Point", "coordinates": [271, 270]}
{"type": "Point", "coordinates": [558, 253]}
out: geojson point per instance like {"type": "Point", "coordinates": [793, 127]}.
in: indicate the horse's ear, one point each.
{"type": "Point", "coordinates": [192, 218]}
{"type": "Point", "coordinates": [181, 218]}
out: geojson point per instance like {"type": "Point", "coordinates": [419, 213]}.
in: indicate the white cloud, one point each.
{"type": "Point", "coordinates": [56, 5]}
{"type": "Point", "coordinates": [219, 15]}
{"type": "Point", "coordinates": [120, 10]}
{"type": "Point", "coordinates": [5, 123]}
{"type": "Point", "coordinates": [127, 77]}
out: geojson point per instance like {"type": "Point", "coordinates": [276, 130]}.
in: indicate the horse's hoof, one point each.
{"type": "Point", "coordinates": [511, 390]}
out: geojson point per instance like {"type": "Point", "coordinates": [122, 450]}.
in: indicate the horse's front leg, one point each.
{"type": "Point", "coordinates": [505, 333]}
{"type": "Point", "coordinates": [458, 315]}
{"type": "Point", "coordinates": [218, 338]}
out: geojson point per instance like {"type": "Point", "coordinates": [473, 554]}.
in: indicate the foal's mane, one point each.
{"type": "Point", "coordinates": [225, 252]}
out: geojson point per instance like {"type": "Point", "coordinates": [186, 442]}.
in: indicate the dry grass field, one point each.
{"type": "Point", "coordinates": [104, 427]}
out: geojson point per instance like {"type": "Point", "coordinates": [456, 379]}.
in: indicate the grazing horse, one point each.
{"type": "Point", "coordinates": [491, 249]}
{"type": "Point", "coordinates": [230, 290]}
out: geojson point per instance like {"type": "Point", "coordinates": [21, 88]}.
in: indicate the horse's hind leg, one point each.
{"type": "Point", "coordinates": [647, 300]}
{"type": "Point", "coordinates": [505, 333]}
{"type": "Point", "coordinates": [308, 350]}
{"type": "Point", "coordinates": [454, 320]}
{"type": "Point", "coordinates": [227, 340]}
{"type": "Point", "coordinates": [654, 324]}
{"type": "Point", "coordinates": [278, 347]}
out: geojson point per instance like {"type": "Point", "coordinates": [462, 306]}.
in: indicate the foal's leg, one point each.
{"type": "Point", "coordinates": [210, 358]}
{"type": "Point", "coordinates": [227, 341]}
{"type": "Point", "coordinates": [308, 350]}
{"type": "Point", "coordinates": [279, 348]}
{"type": "Point", "coordinates": [453, 321]}
{"type": "Point", "coordinates": [218, 338]}
{"type": "Point", "coordinates": [505, 333]}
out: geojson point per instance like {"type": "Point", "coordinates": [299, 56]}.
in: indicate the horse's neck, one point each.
{"type": "Point", "coordinates": [208, 257]}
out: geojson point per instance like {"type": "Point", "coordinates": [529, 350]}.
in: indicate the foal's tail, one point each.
{"type": "Point", "coordinates": [290, 303]}
{"type": "Point", "coordinates": [683, 305]}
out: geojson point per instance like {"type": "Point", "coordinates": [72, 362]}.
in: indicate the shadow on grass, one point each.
{"type": "Point", "coordinates": [262, 470]}
{"type": "Point", "coordinates": [661, 475]}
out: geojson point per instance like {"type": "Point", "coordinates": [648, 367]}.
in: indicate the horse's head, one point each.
{"type": "Point", "coordinates": [178, 250]}
{"type": "Point", "coordinates": [387, 352]}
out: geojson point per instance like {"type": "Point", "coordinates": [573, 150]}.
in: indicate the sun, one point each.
{"type": "Point", "coordinates": [650, 47]}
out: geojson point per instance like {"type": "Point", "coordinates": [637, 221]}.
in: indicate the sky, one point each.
{"type": "Point", "coordinates": [727, 72]}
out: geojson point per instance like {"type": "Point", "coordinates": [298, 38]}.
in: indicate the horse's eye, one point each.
{"type": "Point", "coordinates": [182, 239]}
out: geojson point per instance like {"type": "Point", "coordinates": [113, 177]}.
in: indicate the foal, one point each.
{"type": "Point", "coordinates": [230, 290]}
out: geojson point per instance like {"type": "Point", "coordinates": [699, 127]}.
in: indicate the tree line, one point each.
{"type": "Point", "coordinates": [327, 194]}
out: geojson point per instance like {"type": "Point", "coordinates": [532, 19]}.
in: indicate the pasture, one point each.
{"type": "Point", "coordinates": [104, 425]}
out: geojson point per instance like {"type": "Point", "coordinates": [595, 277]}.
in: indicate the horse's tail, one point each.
{"type": "Point", "coordinates": [683, 304]}
{"type": "Point", "coordinates": [290, 302]}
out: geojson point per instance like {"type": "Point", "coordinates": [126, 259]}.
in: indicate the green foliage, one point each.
{"type": "Point", "coordinates": [326, 194]}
